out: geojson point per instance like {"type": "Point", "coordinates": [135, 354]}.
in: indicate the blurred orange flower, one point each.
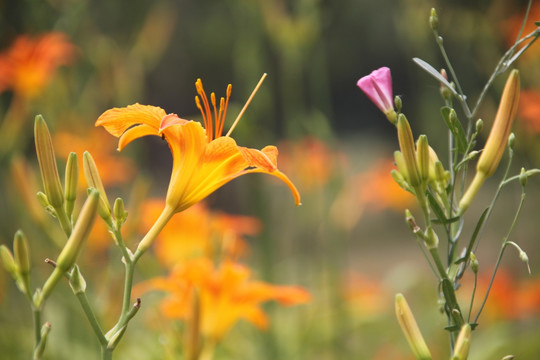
{"type": "Point", "coordinates": [225, 295]}
{"type": "Point", "coordinates": [310, 161]}
{"type": "Point", "coordinates": [113, 170]}
{"type": "Point", "coordinates": [366, 295]}
{"type": "Point", "coordinates": [513, 24]}
{"type": "Point", "coordinates": [203, 159]}
{"type": "Point", "coordinates": [199, 232]}
{"type": "Point", "coordinates": [529, 110]}
{"type": "Point", "coordinates": [373, 190]}
{"type": "Point", "coordinates": [510, 298]}
{"type": "Point", "coordinates": [29, 64]}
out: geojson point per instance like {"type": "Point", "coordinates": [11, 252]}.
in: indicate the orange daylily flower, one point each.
{"type": "Point", "coordinates": [203, 159]}
{"type": "Point", "coordinates": [199, 232]}
{"type": "Point", "coordinates": [511, 27]}
{"type": "Point", "coordinates": [28, 65]}
{"type": "Point", "coordinates": [225, 295]}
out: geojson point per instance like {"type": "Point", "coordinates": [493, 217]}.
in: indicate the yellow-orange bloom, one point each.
{"type": "Point", "coordinates": [28, 65]}
{"type": "Point", "coordinates": [225, 294]}
{"type": "Point", "coordinates": [203, 160]}
{"type": "Point", "coordinates": [199, 232]}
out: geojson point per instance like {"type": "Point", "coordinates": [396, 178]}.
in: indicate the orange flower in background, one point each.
{"type": "Point", "coordinates": [311, 161]}
{"type": "Point", "coordinates": [366, 295]}
{"type": "Point", "coordinates": [512, 25]}
{"type": "Point", "coordinates": [225, 294]}
{"type": "Point", "coordinates": [373, 190]}
{"type": "Point", "coordinates": [29, 64]}
{"type": "Point", "coordinates": [199, 232]}
{"type": "Point", "coordinates": [529, 110]}
{"type": "Point", "coordinates": [113, 170]}
{"type": "Point", "coordinates": [203, 159]}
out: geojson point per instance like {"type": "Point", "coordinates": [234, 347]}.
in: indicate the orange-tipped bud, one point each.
{"type": "Point", "coordinates": [47, 163]}
{"type": "Point", "coordinates": [496, 142]}
{"type": "Point", "coordinates": [410, 329]}
{"type": "Point", "coordinates": [497, 139]}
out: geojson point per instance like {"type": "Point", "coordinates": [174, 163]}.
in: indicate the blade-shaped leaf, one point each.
{"type": "Point", "coordinates": [456, 129]}
{"type": "Point", "coordinates": [431, 70]}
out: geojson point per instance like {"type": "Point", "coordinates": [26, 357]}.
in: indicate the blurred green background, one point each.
{"type": "Point", "coordinates": [348, 243]}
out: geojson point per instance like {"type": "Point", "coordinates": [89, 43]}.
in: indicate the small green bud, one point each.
{"type": "Point", "coordinates": [47, 163]}
{"type": "Point", "coordinates": [474, 263]}
{"type": "Point", "coordinates": [40, 348]}
{"type": "Point", "coordinates": [398, 103]}
{"type": "Point", "coordinates": [523, 177]}
{"type": "Point", "coordinates": [472, 155]}
{"type": "Point", "coordinates": [400, 180]}
{"type": "Point", "coordinates": [119, 212]}
{"type": "Point", "coordinates": [479, 125]}
{"type": "Point", "coordinates": [76, 281]}
{"type": "Point", "coordinates": [445, 92]}
{"type": "Point", "coordinates": [94, 181]}
{"type": "Point", "coordinates": [511, 140]}
{"type": "Point", "coordinates": [433, 20]}
{"type": "Point", "coordinates": [401, 166]}
{"type": "Point", "coordinates": [71, 182]}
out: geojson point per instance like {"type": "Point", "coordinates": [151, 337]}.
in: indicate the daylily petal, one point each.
{"type": "Point", "coordinates": [262, 159]}
{"type": "Point", "coordinates": [117, 120]}
{"type": "Point", "coordinates": [133, 133]}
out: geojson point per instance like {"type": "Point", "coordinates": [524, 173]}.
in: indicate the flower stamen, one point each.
{"type": "Point", "coordinates": [208, 123]}
{"type": "Point", "coordinates": [246, 104]}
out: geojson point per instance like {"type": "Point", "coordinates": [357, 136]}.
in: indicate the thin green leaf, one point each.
{"type": "Point", "coordinates": [431, 70]}
{"type": "Point", "coordinates": [474, 237]}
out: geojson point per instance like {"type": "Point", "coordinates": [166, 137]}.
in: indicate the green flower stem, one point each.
{"type": "Point", "coordinates": [106, 354]}
{"type": "Point", "coordinates": [83, 300]}
{"type": "Point", "coordinates": [37, 324]}
{"type": "Point", "coordinates": [63, 220]}
{"type": "Point", "coordinates": [438, 263]}
{"type": "Point", "coordinates": [501, 253]}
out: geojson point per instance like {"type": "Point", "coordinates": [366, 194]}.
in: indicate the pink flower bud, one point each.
{"type": "Point", "coordinates": [378, 87]}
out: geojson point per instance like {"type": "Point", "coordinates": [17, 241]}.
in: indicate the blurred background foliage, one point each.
{"type": "Point", "coordinates": [348, 244]}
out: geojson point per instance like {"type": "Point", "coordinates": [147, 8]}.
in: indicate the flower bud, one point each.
{"type": "Point", "coordinates": [495, 144]}
{"type": "Point", "coordinates": [479, 125]}
{"type": "Point", "coordinates": [40, 347]}
{"type": "Point", "coordinates": [433, 20]}
{"type": "Point", "coordinates": [406, 144]}
{"type": "Point", "coordinates": [463, 342]}
{"type": "Point", "coordinates": [399, 179]}
{"type": "Point", "coordinates": [71, 250]}
{"type": "Point", "coordinates": [423, 157]}
{"type": "Point", "coordinates": [119, 212]}
{"type": "Point", "coordinates": [445, 92]}
{"type": "Point", "coordinates": [8, 261]}
{"type": "Point", "coordinates": [76, 281]}
{"type": "Point", "coordinates": [82, 228]}
{"type": "Point", "coordinates": [401, 166]}
{"type": "Point", "coordinates": [410, 329]}
{"type": "Point", "coordinates": [22, 253]}
{"type": "Point", "coordinates": [94, 181]}
{"type": "Point", "coordinates": [523, 177]}
{"type": "Point", "coordinates": [71, 182]}
{"type": "Point", "coordinates": [398, 103]}
{"type": "Point", "coordinates": [497, 139]}
{"type": "Point", "coordinates": [47, 163]}
{"type": "Point", "coordinates": [474, 263]}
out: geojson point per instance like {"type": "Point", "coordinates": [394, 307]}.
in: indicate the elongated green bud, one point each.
{"type": "Point", "coordinates": [474, 263]}
{"type": "Point", "coordinates": [463, 342]}
{"type": "Point", "coordinates": [433, 20]}
{"type": "Point", "coordinates": [94, 181]}
{"type": "Point", "coordinates": [120, 213]}
{"type": "Point", "coordinates": [8, 261]}
{"type": "Point", "coordinates": [423, 157]}
{"type": "Point", "coordinates": [401, 166]}
{"type": "Point", "coordinates": [22, 253]}
{"type": "Point", "coordinates": [40, 348]}
{"type": "Point", "coordinates": [47, 163]}
{"type": "Point", "coordinates": [410, 329]}
{"type": "Point", "coordinates": [497, 139]}
{"type": "Point", "coordinates": [71, 182]}
{"type": "Point", "coordinates": [73, 247]}
{"type": "Point", "coordinates": [80, 233]}
{"type": "Point", "coordinates": [406, 144]}
{"type": "Point", "coordinates": [431, 238]}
